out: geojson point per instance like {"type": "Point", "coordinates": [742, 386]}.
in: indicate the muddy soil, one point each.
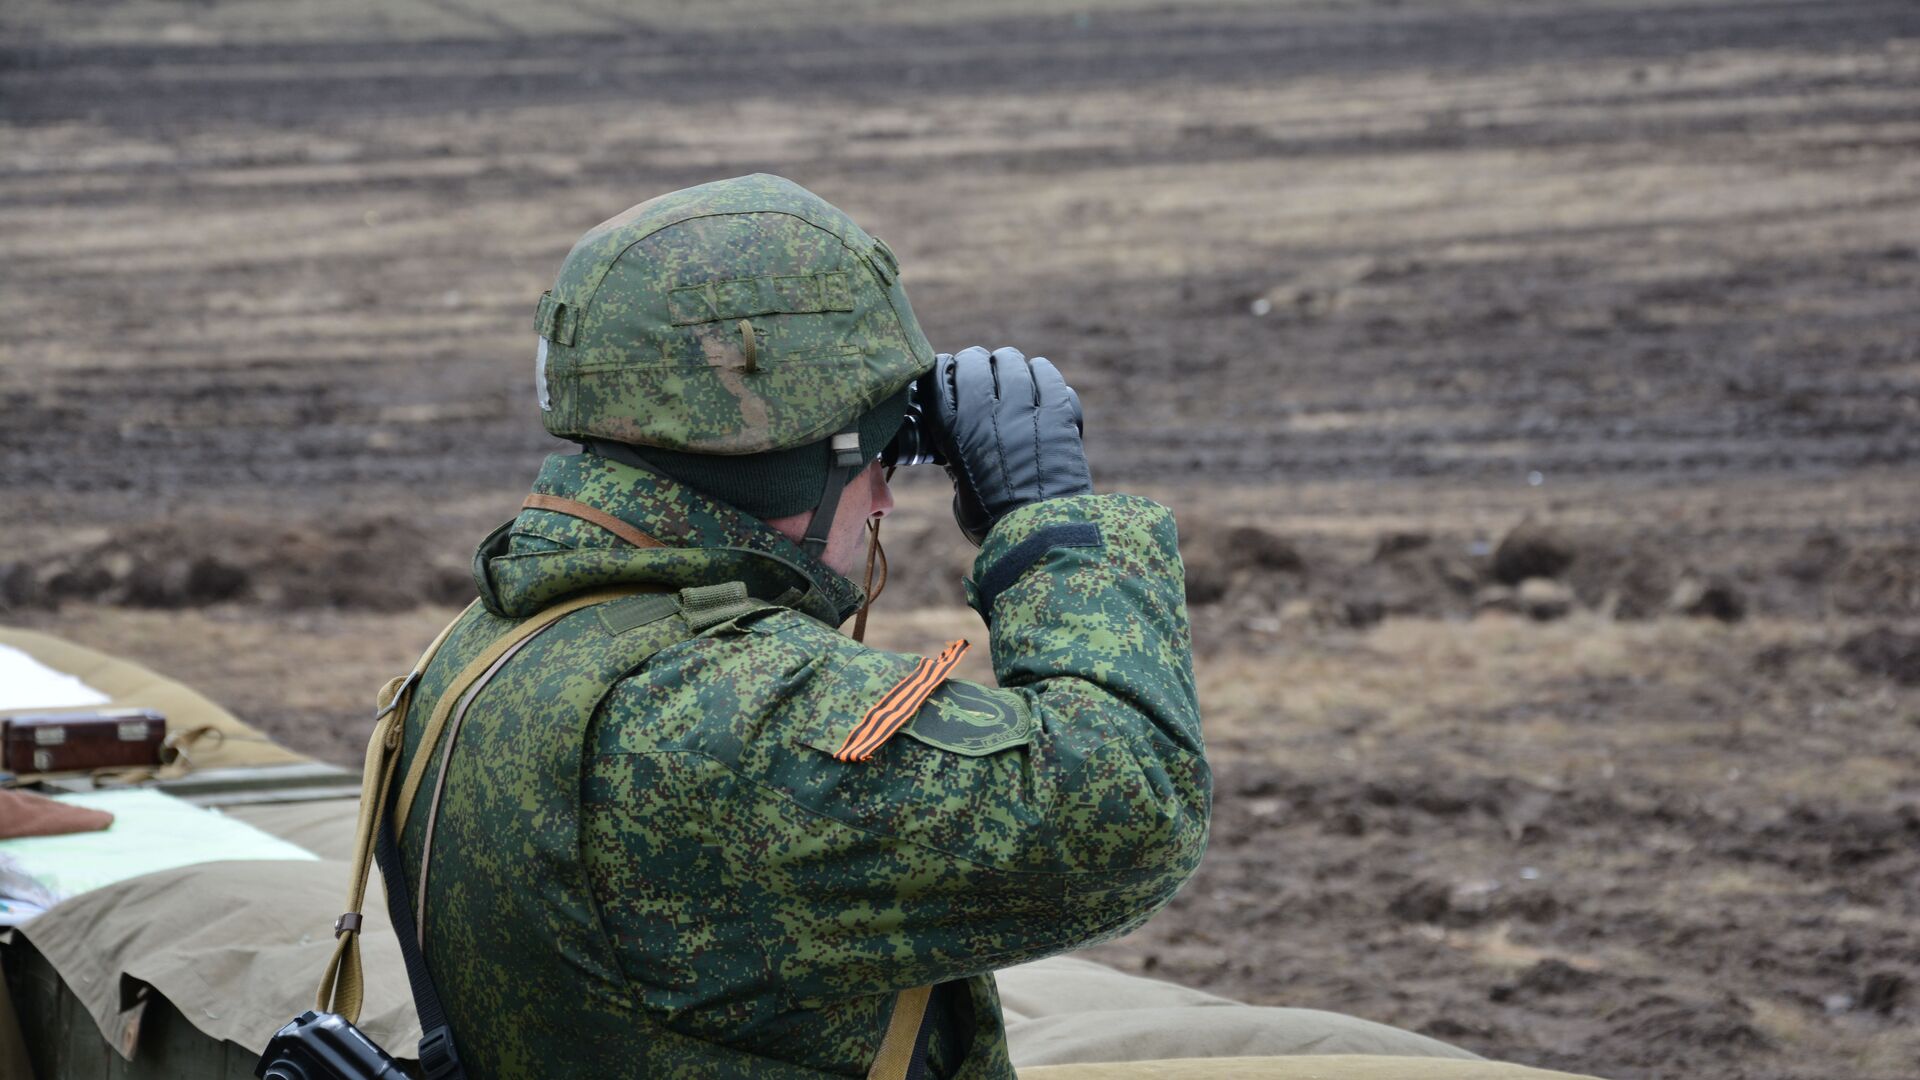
{"type": "Point", "coordinates": [1538, 384]}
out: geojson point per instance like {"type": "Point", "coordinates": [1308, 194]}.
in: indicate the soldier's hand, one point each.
{"type": "Point", "coordinates": [1009, 428]}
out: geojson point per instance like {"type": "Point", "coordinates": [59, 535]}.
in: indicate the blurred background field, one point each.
{"type": "Point", "coordinates": [1537, 383]}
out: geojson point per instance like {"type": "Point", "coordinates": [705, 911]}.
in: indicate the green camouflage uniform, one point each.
{"type": "Point", "coordinates": [757, 896]}
{"type": "Point", "coordinates": [646, 859]}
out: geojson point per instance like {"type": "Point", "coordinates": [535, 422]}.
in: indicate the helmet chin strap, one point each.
{"type": "Point", "coordinates": [847, 464]}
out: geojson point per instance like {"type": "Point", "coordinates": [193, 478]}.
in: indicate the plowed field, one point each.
{"type": "Point", "coordinates": [1537, 383]}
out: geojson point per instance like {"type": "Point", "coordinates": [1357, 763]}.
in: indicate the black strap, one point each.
{"type": "Point", "coordinates": [917, 1064]}
{"type": "Point", "coordinates": [438, 1058]}
{"type": "Point", "coordinates": [821, 525]}
{"type": "Point", "coordinates": [1066, 534]}
{"type": "Point", "coordinates": [942, 1020]}
{"type": "Point", "coordinates": [843, 464]}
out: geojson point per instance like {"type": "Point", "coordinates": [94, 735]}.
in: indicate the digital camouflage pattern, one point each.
{"type": "Point", "coordinates": [736, 317]}
{"type": "Point", "coordinates": [648, 863]}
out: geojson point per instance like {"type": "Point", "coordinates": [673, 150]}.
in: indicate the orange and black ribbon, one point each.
{"type": "Point", "coordinates": [898, 705]}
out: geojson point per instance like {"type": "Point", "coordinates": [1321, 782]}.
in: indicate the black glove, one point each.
{"type": "Point", "coordinates": [1009, 429]}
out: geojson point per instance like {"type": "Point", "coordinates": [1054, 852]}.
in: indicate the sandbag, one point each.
{"type": "Point", "coordinates": [237, 948]}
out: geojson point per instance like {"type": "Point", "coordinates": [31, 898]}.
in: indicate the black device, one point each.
{"type": "Point", "coordinates": [913, 443]}
{"type": "Point", "coordinates": [324, 1046]}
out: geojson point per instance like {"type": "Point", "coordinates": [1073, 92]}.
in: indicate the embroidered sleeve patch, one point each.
{"type": "Point", "coordinates": [898, 704]}
{"type": "Point", "coordinates": [970, 719]}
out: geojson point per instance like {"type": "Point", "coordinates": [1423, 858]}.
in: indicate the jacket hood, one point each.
{"type": "Point", "coordinates": [541, 556]}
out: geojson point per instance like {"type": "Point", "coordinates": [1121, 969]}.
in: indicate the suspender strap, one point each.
{"type": "Point", "coordinates": [592, 515]}
{"type": "Point", "coordinates": [443, 708]}
{"type": "Point", "coordinates": [341, 985]}
{"type": "Point", "coordinates": [464, 692]}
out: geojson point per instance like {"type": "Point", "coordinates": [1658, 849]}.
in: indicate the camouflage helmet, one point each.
{"type": "Point", "coordinates": [738, 317]}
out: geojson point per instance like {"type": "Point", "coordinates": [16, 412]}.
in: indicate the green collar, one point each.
{"type": "Point", "coordinates": [541, 556]}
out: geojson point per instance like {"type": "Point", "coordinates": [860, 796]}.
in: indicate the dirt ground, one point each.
{"type": "Point", "coordinates": [1537, 383]}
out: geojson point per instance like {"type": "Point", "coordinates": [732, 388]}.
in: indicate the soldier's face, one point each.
{"type": "Point", "coordinates": [867, 497]}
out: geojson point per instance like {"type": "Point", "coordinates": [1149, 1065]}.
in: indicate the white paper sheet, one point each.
{"type": "Point", "coordinates": [150, 832]}
{"type": "Point", "coordinates": [26, 683]}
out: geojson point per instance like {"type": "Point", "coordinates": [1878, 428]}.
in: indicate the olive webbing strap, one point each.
{"type": "Point", "coordinates": [703, 607]}
{"type": "Point", "coordinates": [341, 985]}
{"type": "Point", "coordinates": [443, 708]}
{"type": "Point", "coordinates": [903, 1049]}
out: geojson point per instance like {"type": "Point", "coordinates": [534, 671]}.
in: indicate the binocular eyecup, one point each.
{"type": "Point", "coordinates": [913, 444]}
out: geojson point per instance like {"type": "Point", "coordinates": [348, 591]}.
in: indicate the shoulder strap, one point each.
{"type": "Point", "coordinates": [702, 607]}
{"type": "Point", "coordinates": [340, 985]}
{"type": "Point", "coordinates": [903, 1050]}
{"type": "Point", "coordinates": [443, 708]}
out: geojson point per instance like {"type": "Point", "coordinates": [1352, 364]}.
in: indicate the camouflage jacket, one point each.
{"type": "Point", "coordinates": [686, 881]}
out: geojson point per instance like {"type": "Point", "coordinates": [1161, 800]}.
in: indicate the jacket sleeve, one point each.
{"type": "Point", "coordinates": [1085, 602]}
{"type": "Point", "coordinates": [1074, 824]}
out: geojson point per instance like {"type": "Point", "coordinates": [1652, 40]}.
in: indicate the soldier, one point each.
{"type": "Point", "coordinates": [660, 818]}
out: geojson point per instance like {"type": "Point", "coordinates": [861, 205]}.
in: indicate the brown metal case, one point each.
{"type": "Point", "coordinates": [78, 741]}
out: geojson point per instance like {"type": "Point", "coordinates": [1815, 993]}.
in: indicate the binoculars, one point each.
{"type": "Point", "coordinates": [324, 1046]}
{"type": "Point", "coordinates": [913, 443]}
